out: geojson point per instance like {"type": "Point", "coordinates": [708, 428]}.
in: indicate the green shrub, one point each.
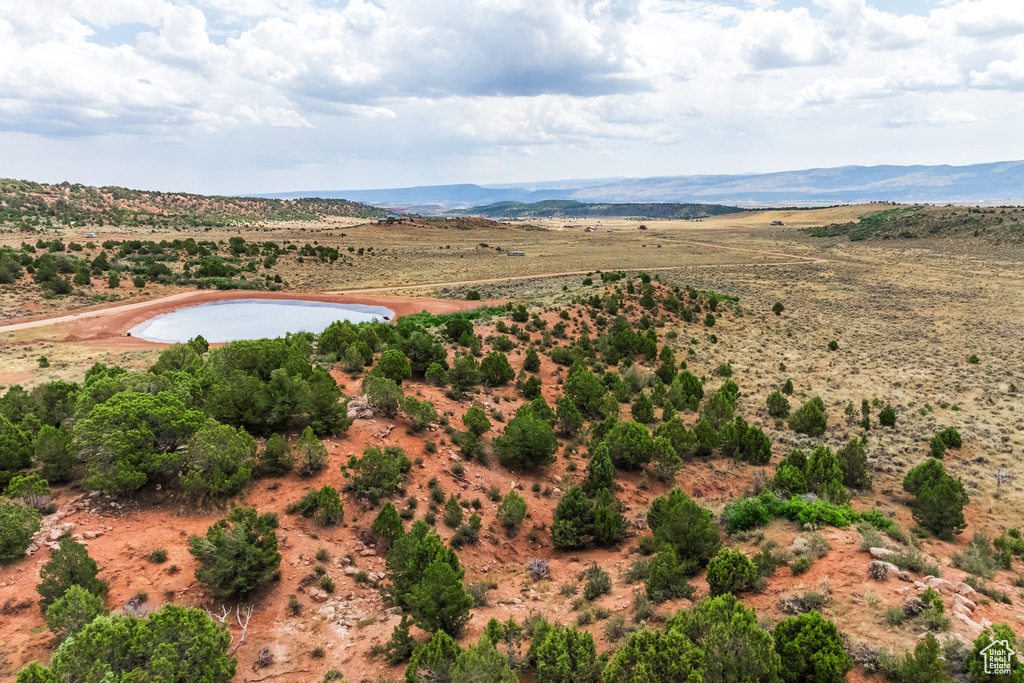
{"type": "Point", "coordinates": [173, 644]}
{"type": "Point", "coordinates": [512, 511]}
{"type": "Point", "coordinates": [495, 370]}
{"type": "Point", "coordinates": [452, 512]}
{"type": "Point", "coordinates": [475, 420]}
{"type": "Point", "coordinates": [833, 345]}
{"type": "Point", "coordinates": [940, 499]}
{"type": "Point", "coordinates": [383, 394]}
{"type": "Point", "coordinates": [778, 405]}
{"type": "Point", "coordinates": [388, 524]}
{"type": "Point", "coordinates": [69, 565]}
{"type": "Point", "coordinates": [730, 572]}
{"type": "Point", "coordinates": [598, 582]}
{"type": "Point", "coordinates": [800, 565]}
{"type": "Point", "coordinates": [811, 649]}
{"type": "Point", "coordinates": [567, 655]}
{"type": "Point", "coordinates": [73, 611]}
{"type": "Point", "coordinates": [526, 442]}
{"type": "Point", "coordinates": [17, 526]}
{"type": "Point", "coordinates": [951, 437]}
{"type": "Point", "coordinates": [686, 527]}
{"type": "Point", "coordinates": [439, 602]}
{"type": "Point", "coordinates": [276, 457]}
{"type": "Point", "coordinates": [238, 554]}
{"type": "Point", "coordinates": [379, 473]}
{"type": "Point", "coordinates": [649, 656]}
{"type": "Point", "coordinates": [313, 455]}
{"type": "Point", "coordinates": [887, 416]}
{"type": "Point", "coordinates": [810, 418]}
{"type": "Point", "coordinates": [630, 445]}
{"type": "Point", "coordinates": [158, 556]}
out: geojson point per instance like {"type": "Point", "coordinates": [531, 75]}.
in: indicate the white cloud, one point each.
{"type": "Point", "coordinates": [611, 81]}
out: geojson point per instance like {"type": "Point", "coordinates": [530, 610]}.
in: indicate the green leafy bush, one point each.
{"type": "Point", "coordinates": [778, 405]}
{"type": "Point", "coordinates": [378, 473]}
{"type": "Point", "coordinates": [173, 644]}
{"type": "Point", "coordinates": [526, 442]}
{"type": "Point", "coordinates": [238, 554]}
{"type": "Point", "coordinates": [811, 649]}
{"type": "Point", "coordinates": [810, 418]}
{"type": "Point", "coordinates": [69, 565]}
{"type": "Point", "coordinates": [512, 511]}
{"type": "Point", "coordinates": [567, 655]}
{"type": "Point", "coordinates": [73, 611]}
{"type": "Point", "coordinates": [17, 524]}
{"type": "Point", "coordinates": [730, 572]}
{"type": "Point", "coordinates": [598, 582]}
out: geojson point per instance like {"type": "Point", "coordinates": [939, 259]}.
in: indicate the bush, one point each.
{"type": "Point", "coordinates": [439, 602]}
{"type": "Point", "coordinates": [388, 524]}
{"type": "Point", "coordinates": [730, 572]}
{"type": "Point", "coordinates": [512, 511]}
{"type": "Point", "coordinates": [393, 365]}
{"type": "Point", "coordinates": [238, 554]}
{"type": "Point", "coordinates": [799, 566]}
{"type": "Point", "coordinates": [472, 295]}
{"type": "Point", "coordinates": [312, 453]}
{"type": "Point", "coordinates": [686, 527]}
{"type": "Point", "coordinates": [383, 394]}
{"type": "Point", "coordinates": [379, 473]}
{"type": "Point", "coordinates": [475, 420]}
{"type": "Point", "coordinates": [598, 582]}
{"type": "Point", "coordinates": [654, 656]}
{"type": "Point", "coordinates": [743, 514]}
{"type": "Point", "coordinates": [810, 418]}
{"type": "Point", "coordinates": [173, 644]}
{"type": "Point", "coordinates": [69, 565]}
{"type": "Point", "coordinates": [219, 462]}
{"type": "Point", "coordinates": [854, 463]}
{"type": "Point", "coordinates": [567, 655]}
{"type": "Point", "coordinates": [531, 363]}
{"type": "Point", "coordinates": [401, 645]}
{"type": "Point", "coordinates": [642, 409]}
{"type": "Point", "coordinates": [887, 416]}
{"type": "Point", "coordinates": [778, 308]}
{"type": "Point", "coordinates": [526, 442]}
{"type": "Point", "coordinates": [833, 345]}
{"type": "Point", "coordinates": [940, 499]}
{"type": "Point", "coordinates": [276, 457]}
{"type": "Point", "coordinates": [925, 664]}
{"type": "Point", "coordinates": [421, 413]}
{"type": "Point", "coordinates": [731, 640]}
{"type": "Point", "coordinates": [17, 526]}
{"type": "Point", "coordinates": [324, 504]}
{"type": "Point", "coordinates": [495, 370]}
{"type": "Point", "coordinates": [778, 405]}
{"type": "Point", "coordinates": [951, 437]}
{"type": "Point", "coordinates": [73, 611]}
{"type": "Point", "coordinates": [630, 445]}
{"type": "Point", "coordinates": [158, 556]}
{"type": "Point", "coordinates": [811, 649]}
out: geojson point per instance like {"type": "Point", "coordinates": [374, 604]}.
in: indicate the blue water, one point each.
{"type": "Point", "coordinates": [224, 321]}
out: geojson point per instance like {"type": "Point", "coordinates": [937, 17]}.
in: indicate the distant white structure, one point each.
{"type": "Point", "coordinates": [517, 253]}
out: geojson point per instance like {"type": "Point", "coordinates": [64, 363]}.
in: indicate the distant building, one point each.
{"type": "Point", "coordinates": [642, 227]}
{"type": "Point", "coordinates": [517, 253]}
{"type": "Point", "coordinates": [90, 235]}
{"type": "Point", "coordinates": [777, 223]}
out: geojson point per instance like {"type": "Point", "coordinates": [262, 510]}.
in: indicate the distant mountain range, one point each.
{"type": "Point", "coordinates": [1001, 182]}
{"type": "Point", "coordinates": [568, 208]}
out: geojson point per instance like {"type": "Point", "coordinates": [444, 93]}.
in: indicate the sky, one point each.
{"type": "Point", "coordinates": [250, 96]}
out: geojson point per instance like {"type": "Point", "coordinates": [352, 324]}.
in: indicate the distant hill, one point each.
{"type": "Point", "coordinates": [1001, 182]}
{"type": "Point", "coordinates": [559, 208]}
{"type": "Point", "coordinates": [999, 225]}
{"type": "Point", "coordinates": [27, 203]}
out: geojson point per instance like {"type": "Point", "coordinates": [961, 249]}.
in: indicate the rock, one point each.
{"type": "Point", "coordinates": [880, 553]}
{"type": "Point", "coordinates": [90, 535]}
{"type": "Point", "coordinates": [893, 569]}
{"type": "Point", "coordinates": [962, 609]}
{"type": "Point", "coordinates": [55, 534]}
{"type": "Point", "coordinates": [367, 553]}
{"type": "Point", "coordinates": [964, 622]}
{"type": "Point", "coordinates": [351, 570]}
{"type": "Point", "coordinates": [394, 611]}
{"type": "Point", "coordinates": [968, 592]}
{"type": "Point", "coordinates": [317, 594]}
{"type": "Point", "coordinates": [964, 602]}
{"type": "Point", "coordinates": [941, 585]}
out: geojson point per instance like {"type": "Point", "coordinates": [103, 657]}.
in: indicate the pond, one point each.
{"type": "Point", "coordinates": [225, 321]}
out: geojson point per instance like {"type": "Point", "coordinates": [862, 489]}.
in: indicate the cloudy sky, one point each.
{"type": "Point", "coordinates": [235, 96]}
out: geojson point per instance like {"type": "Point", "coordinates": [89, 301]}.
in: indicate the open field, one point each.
{"type": "Point", "coordinates": [906, 316]}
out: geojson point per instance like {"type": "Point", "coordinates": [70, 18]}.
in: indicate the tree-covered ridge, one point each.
{"type": "Point", "coordinates": [999, 224]}
{"type": "Point", "coordinates": [29, 204]}
{"type": "Point", "coordinates": [559, 208]}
